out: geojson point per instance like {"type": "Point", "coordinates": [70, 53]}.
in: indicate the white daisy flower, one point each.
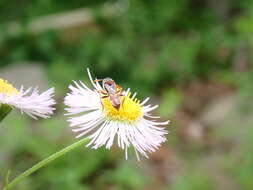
{"type": "Point", "coordinates": [28, 101]}
{"type": "Point", "coordinates": [107, 113]}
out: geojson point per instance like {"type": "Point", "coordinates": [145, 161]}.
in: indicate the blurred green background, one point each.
{"type": "Point", "coordinates": [193, 57]}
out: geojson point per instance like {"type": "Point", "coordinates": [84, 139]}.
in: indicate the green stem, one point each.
{"type": "Point", "coordinates": [45, 162]}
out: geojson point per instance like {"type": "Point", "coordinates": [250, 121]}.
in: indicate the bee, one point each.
{"type": "Point", "coordinates": [112, 91]}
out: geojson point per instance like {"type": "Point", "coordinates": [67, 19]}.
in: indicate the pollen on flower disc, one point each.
{"type": "Point", "coordinates": [7, 88]}
{"type": "Point", "coordinates": [129, 111]}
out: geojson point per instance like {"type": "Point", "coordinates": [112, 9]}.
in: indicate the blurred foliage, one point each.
{"type": "Point", "coordinates": [172, 41]}
{"type": "Point", "coordinates": [195, 179]}
{"type": "Point", "coordinates": [171, 101]}
{"type": "Point", "coordinates": [159, 48]}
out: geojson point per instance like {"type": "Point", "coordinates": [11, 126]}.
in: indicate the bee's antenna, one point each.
{"type": "Point", "coordinates": [97, 80]}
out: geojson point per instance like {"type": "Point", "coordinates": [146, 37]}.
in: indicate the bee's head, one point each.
{"type": "Point", "coordinates": [108, 84]}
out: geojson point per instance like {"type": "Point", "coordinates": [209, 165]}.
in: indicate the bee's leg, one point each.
{"type": "Point", "coordinates": [119, 91]}
{"type": "Point", "coordinates": [103, 92]}
{"type": "Point", "coordinates": [105, 96]}
{"type": "Point", "coordinates": [118, 88]}
{"type": "Point", "coordinates": [97, 80]}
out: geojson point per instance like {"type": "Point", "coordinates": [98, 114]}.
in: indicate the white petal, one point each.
{"type": "Point", "coordinates": [31, 102]}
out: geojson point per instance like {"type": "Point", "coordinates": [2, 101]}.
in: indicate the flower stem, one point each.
{"type": "Point", "coordinates": [45, 162]}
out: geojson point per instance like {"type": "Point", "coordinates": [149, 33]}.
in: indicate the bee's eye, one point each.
{"type": "Point", "coordinates": [109, 84]}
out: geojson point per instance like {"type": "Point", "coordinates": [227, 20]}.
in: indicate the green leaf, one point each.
{"type": "Point", "coordinates": [4, 111]}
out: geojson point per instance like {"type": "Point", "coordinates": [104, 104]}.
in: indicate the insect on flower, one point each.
{"type": "Point", "coordinates": [112, 91]}
{"type": "Point", "coordinates": [107, 115]}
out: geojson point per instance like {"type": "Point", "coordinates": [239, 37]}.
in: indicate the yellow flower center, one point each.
{"type": "Point", "coordinates": [129, 111]}
{"type": "Point", "coordinates": [7, 88]}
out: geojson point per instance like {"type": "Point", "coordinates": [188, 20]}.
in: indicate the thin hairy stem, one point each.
{"type": "Point", "coordinates": [45, 162]}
